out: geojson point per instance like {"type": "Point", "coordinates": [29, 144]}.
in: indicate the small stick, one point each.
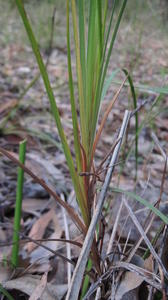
{"type": "Point", "coordinates": [67, 245]}
{"type": "Point", "coordinates": [98, 294]}
{"type": "Point", "coordinates": [110, 245]}
{"type": "Point", "coordinates": [154, 137]}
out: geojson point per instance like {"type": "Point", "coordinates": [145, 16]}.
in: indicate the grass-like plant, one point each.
{"type": "Point", "coordinates": [94, 32]}
{"type": "Point", "coordinates": [92, 59]}
{"type": "Point", "coordinates": [18, 206]}
{"type": "Point", "coordinates": [93, 47]}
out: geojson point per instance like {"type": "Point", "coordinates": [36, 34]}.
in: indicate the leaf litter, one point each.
{"type": "Point", "coordinates": [44, 155]}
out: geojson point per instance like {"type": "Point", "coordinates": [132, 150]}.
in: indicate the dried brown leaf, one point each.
{"type": "Point", "coordinates": [148, 264]}
{"type": "Point", "coordinates": [38, 229]}
{"type": "Point", "coordinates": [31, 205]}
{"type": "Point", "coordinates": [53, 245]}
{"type": "Point", "coordinates": [129, 282]}
{"type": "Point", "coordinates": [27, 284]}
{"type": "Point", "coordinates": [37, 293]}
{"type": "Point", "coordinates": [5, 273]}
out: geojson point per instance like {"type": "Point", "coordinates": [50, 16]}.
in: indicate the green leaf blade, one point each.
{"type": "Point", "coordinates": [143, 202]}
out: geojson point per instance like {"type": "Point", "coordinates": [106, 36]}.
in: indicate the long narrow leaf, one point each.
{"type": "Point", "coordinates": [146, 88]}
{"type": "Point", "coordinates": [5, 293]}
{"type": "Point", "coordinates": [109, 108]}
{"type": "Point", "coordinates": [113, 39]}
{"type": "Point", "coordinates": [109, 29]}
{"type": "Point", "coordinates": [144, 202]}
{"type": "Point", "coordinates": [104, 65]}
{"type": "Point", "coordinates": [136, 117]}
{"type": "Point", "coordinates": [100, 33]}
{"type": "Point", "coordinates": [79, 75]}
{"type": "Point", "coordinates": [108, 82]}
{"type": "Point", "coordinates": [74, 176]}
{"type": "Point", "coordinates": [104, 17]}
{"type": "Point", "coordinates": [72, 98]}
{"type": "Point", "coordinates": [82, 42]}
{"type": "Point", "coordinates": [91, 62]}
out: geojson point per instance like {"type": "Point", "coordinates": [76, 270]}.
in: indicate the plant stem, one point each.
{"type": "Point", "coordinates": [18, 207]}
{"type": "Point", "coordinates": [86, 279]}
{"type": "Point", "coordinates": [76, 281]}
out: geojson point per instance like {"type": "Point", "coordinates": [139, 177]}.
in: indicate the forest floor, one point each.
{"type": "Point", "coordinates": [142, 48]}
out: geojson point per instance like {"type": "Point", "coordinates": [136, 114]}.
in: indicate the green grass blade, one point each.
{"type": "Point", "coordinates": [113, 39]}
{"type": "Point", "coordinates": [153, 241]}
{"type": "Point", "coordinates": [109, 29]}
{"type": "Point", "coordinates": [108, 83]}
{"type": "Point", "coordinates": [96, 28]}
{"type": "Point", "coordinates": [146, 88]}
{"type": "Point", "coordinates": [130, 82]}
{"type": "Point", "coordinates": [13, 110]}
{"type": "Point", "coordinates": [76, 132]}
{"type": "Point", "coordinates": [75, 178]}
{"type": "Point", "coordinates": [143, 202]}
{"type": "Point", "coordinates": [72, 98]}
{"type": "Point", "coordinates": [5, 293]}
{"type": "Point", "coordinates": [136, 117]}
{"type": "Point", "coordinates": [148, 118]}
{"type": "Point", "coordinates": [42, 71]}
{"type": "Point", "coordinates": [18, 206]}
{"type": "Point", "coordinates": [90, 70]}
{"type": "Point", "coordinates": [105, 63]}
{"type": "Point", "coordinates": [158, 90]}
{"type": "Point", "coordinates": [82, 42]}
{"type": "Point", "coordinates": [100, 27]}
{"type": "Point", "coordinates": [104, 17]}
{"type": "Point", "coordinates": [79, 76]}
{"type": "Point", "coordinates": [86, 280]}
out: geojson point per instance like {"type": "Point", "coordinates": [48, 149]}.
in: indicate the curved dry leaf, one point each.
{"type": "Point", "coordinates": [38, 229]}
{"type": "Point", "coordinates": [130, 282]}
{"type": "Point", "coordinates": [37, 293]}
{"type": "Point", "coordinates": [28, 284]}
{"type": "Point", "coordinates": [149, 265]}
{"type": "Point", "coordinates": [53, 245]}
{"type": "Point", "coordinates": [5, 272]}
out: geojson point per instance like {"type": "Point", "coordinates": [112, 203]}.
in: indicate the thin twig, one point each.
{"type": "Point", "coordinates": [73, 242]}
{"type": "Point", "coordinates": [110, 245]}
{"type": "Point", "coordinates": [136, 247]}
{"type": "Point", "coordinates": [139, 107]}
{"type": "Point", "coordinates": [148, 276]}
{"type": "Point", "coordinates": [126, 243]}
{"type": "Point", "coordinates": [154, 137]}
{"type": "Point", "coordinates": [51, 192]}
{"type": "Point", "coordinates": [43, 246]}
{"type": "Point", "coordinates": [68, 247]}
{"type": "Point", "coordinates": [98, 294]}
{"type": "Point", "coordinates": [140, 229]}
{"type": "Point", "coordinates": [109, 108]}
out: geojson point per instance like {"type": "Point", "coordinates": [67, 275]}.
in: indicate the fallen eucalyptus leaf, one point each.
{"type": "Point", "coordinates": [27, 284]}
{"type": "Point", "coordinates": [37, 293]}
{"type": "Point", "coordinates": [130, 281]}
